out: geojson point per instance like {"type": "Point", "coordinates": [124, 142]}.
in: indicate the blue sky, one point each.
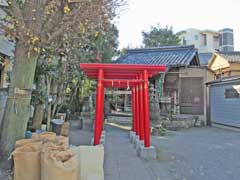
{"type": "Point", "coordinates": [139, 15]}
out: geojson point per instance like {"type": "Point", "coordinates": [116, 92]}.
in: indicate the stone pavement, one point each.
{"type": "Point", "coordinates": [195, 154]}
{"type": "Point", "coordinates": [121, 161]}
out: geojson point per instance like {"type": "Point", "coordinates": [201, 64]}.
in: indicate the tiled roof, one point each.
{"type": "Point", "coordinates": [233, 57]}
{"type": "Point", "coordinates": [168, 55]}
{"type": "Point", "coordinates": [205, 58]}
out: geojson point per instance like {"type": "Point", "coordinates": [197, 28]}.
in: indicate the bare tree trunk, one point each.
{"type": "Point", "coordinates": [54, 110]}
{"type": "Point", "coordinates": [39, 108]}
{"type": "Point", "coordinates": [17, 110]}
{"type": "Point", "coordinates": [38, 116]}
{"type": "Point", "coordinates": [48, 81]}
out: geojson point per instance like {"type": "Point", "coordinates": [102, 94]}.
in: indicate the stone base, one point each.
{"type": "Point", "coordinates": [103, 132]}
{"type": "Point", "coordinates": [148, 153]}
{"type": "Point", "coordinates": [92, 141]}
{"type": "Point", "coordinates": [131, 134]}
{"type": "Point", "coordinates": [138, 144]}
{"type": "Point", "coordinates": [134, 139]}
{"type": "Point", "coordinates": [102, 141]}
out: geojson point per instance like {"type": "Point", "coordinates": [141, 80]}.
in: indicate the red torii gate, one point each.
{"type": "Point", "coordinates": [124, 76]}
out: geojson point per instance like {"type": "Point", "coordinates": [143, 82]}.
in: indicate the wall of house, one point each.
{"type": "Point", "coordinates": [222, 67]}
{"type": "Point", "coordinates": [196, 37]}
{"type": "Point", "coordinates": [171, 91]}
{"type": "Point", "coordinates": [207, 76]}
{"type": "Point", "coordinates": [211, 45]}
{"type": "Point", "coordinates": [235, 69]}
{"type": "Point", "coordinates": [219, 63]}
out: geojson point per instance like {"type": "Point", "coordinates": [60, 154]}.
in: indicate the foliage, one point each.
{"type": "Point", "coordinates": [52, 36]}
{"type": "Point", "coordinates": [159, 36]}
{"type": "Point", "coordinates": [72, 33]}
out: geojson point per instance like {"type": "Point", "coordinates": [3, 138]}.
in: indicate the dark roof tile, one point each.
{"type": "Point", "coordinates": [233, 57]}
{"type": "Point", "coordinates": [168, 55]}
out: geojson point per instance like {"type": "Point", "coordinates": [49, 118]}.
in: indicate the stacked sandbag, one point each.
{"type": "Point", "coordinates": [27, 161]}
{"type": "Point", "coordinates": [58, 163]}
{"type": "Point", "coordinates": [65, 129]}
{"type": "Point", "coordinates": [28, 152]}
{"type": "Point", "coordinates": [90, 159]}
{"type": "Point", "coordinates": [45, 136]}
{"type": "Point", "coordinates": [62, 141]}
{"type": "Point", "coordinates": [24, 142]}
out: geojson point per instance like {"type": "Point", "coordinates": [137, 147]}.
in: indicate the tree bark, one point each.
{"type": "Point", "coordinates": [39, 108]}
{"type": "Point", "coordinates": [17, 109]}
{"type": "Point", "coordinates": [38, 116]}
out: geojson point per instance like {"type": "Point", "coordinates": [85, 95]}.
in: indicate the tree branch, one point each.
{"type": "Point", "coordinates": [17, 14]}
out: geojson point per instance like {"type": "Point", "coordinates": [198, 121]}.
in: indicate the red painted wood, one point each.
{"type": "Point", "coordinates": [141, 111]}
{"type": "Point", "coordinates": [124, 76]}
{"type": "Point", "coordinates": [99, 113]}
{"type": "Point", "coordinates": [146, 110]}
{"type": "Point", "coordinates": [122, 67]}
{"type": "Point", "coordinates": [137, 112]}
{"type": "Point", "coordinates": [117, 71]}
{"type": "Point", "coordinates": [133, 106]}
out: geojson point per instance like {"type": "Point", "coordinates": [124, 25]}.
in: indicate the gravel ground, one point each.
{"type": "Point", "coordinates": [194, 154]}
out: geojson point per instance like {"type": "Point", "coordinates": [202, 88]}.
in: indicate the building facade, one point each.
{"type": "Point", "coordinates": [208, 41]}
{"type": "Point", "coordinates": [226, 40]}
{"type": "Point", "coordinates": [181, 90]}
{"type": "Point", "coordinates": [225, 64]}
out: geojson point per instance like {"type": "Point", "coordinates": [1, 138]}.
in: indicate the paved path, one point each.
{"type": "Point", "coordinates": [121, 161]}
{"type": "Point", "coordinates": [195, 154]}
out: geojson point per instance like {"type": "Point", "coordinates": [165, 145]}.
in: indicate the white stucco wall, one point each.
{"type": "Point", "coordinates": [191, 34]}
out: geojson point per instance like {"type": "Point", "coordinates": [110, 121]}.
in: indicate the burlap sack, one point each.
{"type": "Point", "coordinates": [62, 141]}
{"type": "Point", "coordinates": [27, 162]}
{"type": "Point", "coordinates": [24, 142]}
{"type": "Point", "coordinates": [35, 136]}
{"type": "Point", "coordinates": [90, 160]}
{"type": "Point", "coordinates": [65, 129]}
{"type": "Point", "coordinates": [58, 164]}
{"type": "Point", "coordinates": [45, 136]}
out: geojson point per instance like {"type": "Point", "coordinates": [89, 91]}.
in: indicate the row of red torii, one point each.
{"type": "Point", "coordinates": [124, 76]}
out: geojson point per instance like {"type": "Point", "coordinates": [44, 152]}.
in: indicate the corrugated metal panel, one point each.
{"type": "Point", "coordinates": [224, 111]}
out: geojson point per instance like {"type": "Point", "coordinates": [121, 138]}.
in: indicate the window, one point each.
{"type": "Point", "coordinates": [196, 37]}
{"type": "Point", "coordinates": [215, 38]}
{"type": "Point", "coordinates": [231, 93]}
{"type": "Point", "coordinates": [204, 39]}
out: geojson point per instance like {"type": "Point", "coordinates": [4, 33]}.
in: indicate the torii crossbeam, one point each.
{"type": "Point", "coordinates": [124, 76]}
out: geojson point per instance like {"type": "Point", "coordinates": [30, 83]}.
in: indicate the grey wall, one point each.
{"type": "Point", "coordinates": [224, 111]}
{"type": "Point", "coordinates": [3, 100]}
